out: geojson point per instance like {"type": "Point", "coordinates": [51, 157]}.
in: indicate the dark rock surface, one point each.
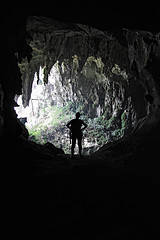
{"type": "Point", "coordinates": [93, 201]}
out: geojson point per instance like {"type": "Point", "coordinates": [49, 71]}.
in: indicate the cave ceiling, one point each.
{"type": "Point", "coordinates": [53, 41]}
{"type": "Point", "coordinates": [102, 15]}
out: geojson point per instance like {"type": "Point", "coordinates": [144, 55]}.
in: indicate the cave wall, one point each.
{"type": "Point", "coordinates": [13, 49]}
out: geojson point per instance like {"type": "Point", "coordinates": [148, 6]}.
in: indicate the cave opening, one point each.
{"type": "Point", "coordinates": [104, 104]}
{"type": "Point", "coordinates": [77, 68]}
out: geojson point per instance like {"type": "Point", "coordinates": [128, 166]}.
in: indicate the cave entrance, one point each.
{"type": "Point", "coordinates": [79, 68]}
{"type": "Point", "coordinates": [103, 103]}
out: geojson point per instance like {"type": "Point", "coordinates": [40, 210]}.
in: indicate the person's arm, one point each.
{"type": "Point", "coordinates": [85, 126]}
{"type": "Point", "coordinates": [69, 125]}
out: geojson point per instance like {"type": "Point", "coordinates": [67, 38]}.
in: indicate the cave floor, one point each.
{"type": "Point", "coordinates": [92, 201]}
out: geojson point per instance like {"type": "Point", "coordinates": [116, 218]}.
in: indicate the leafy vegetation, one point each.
{"type": "Point", "coordinates": [50, 126]}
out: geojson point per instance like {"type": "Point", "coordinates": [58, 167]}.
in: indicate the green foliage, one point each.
{"type": "Point", "coordinates": [102, 130]}
{"type": "Point", "coordinates": [51, 126]}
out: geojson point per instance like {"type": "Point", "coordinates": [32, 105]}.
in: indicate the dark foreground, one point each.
{"type": "Point", "coordinates": [89, 202]}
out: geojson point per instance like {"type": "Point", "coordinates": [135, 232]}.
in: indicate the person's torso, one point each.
{"type": "Point", "coordinates": [76, 125]}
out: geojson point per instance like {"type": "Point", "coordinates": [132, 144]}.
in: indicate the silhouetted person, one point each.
{"type": "Point", "coordinates": [76, 129]}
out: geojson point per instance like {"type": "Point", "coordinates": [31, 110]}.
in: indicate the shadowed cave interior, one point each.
{"type": "Point", "coordinates": [112, 77]}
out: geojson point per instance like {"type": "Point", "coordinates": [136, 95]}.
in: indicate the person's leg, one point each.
{"type": "Point", "coordinates": [80, 145]}
{"type": "Point", "coordinates": [73, 145]}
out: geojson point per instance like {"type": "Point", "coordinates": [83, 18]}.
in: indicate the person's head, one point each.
{"type": "Point", "coordinates": [78, 115]}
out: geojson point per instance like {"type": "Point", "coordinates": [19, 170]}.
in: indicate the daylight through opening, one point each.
{"type": "Point", "coordinates": [102, 103]}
